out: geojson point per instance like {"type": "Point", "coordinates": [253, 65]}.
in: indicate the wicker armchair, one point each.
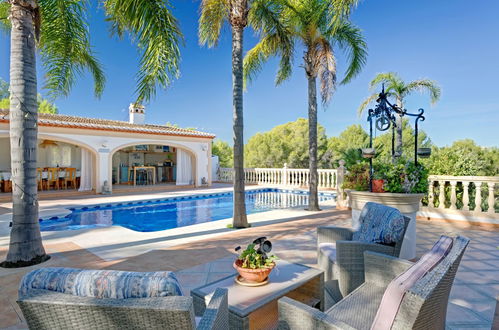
{"type": "Point", "coordinates": [51, 309]}
{"type": "Point", "coordinates": [342, 258]}
{"type": "Point", "coordinates": [424, 305]}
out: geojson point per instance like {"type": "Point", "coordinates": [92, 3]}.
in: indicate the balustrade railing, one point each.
{"type": "Point", "coordinates": [289, 177]}
{"type": "Point", "coordinates": [475, 194]}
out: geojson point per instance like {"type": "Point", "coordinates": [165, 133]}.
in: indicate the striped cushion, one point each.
{"type": "Point", "coordinates": [380, 224]}
{"type": "Point", "coordinates": [101, 283]}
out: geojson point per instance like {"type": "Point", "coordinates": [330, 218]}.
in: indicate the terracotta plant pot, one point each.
{"type": "Point", "coordinates": [378, 185]}
{"type": "Point", "coordinates": [252, 275]}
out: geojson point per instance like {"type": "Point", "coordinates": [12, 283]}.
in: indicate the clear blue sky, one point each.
{"type": "Point", "coordinates": [453, 42]}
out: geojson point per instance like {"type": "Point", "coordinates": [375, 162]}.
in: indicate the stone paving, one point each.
{"type": "Point", "coordinates": [472, 301]}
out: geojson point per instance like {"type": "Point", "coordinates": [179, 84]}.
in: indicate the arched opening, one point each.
{"type": "Point", "coordinates": [62, 164]}
{"type": "Point", "coordinates": [159, 164]}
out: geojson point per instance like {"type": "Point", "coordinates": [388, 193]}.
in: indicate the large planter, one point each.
{"type": "Point", "coordinates": [408, 204]}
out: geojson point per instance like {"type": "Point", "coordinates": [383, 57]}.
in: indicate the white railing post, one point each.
{"type": "Point", "coordinates": [491, 199]}
{"type": "Point", "coordinates": [453, 195]}
{"type": "Point", "coordinates": [284, 179]}
{"type": "Point", "coordinates": [466, 196]}
{"type": "Point", "coordinates": [478, 196]}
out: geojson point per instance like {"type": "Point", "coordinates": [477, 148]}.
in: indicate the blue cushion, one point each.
{"type": "Point", "coordinates": [380, 224]}
{"type": "Point", "coordinates": [101, 283]}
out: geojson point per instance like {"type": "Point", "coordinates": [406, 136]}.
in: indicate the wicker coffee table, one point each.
{"type": "Point", "coordinates": [256, 307]}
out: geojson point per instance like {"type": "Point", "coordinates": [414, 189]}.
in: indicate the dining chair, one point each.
{"type": "Point", "coordinates": [70, 177]}
{"type": "Point", "coordinates": [53, 178]}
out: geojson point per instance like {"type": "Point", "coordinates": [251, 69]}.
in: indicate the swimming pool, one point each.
{"type": "Point", "coordinates": [173, 212]}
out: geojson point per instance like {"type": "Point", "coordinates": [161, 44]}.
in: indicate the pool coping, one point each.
{"type": "Point", "coordinates": [117, 242]}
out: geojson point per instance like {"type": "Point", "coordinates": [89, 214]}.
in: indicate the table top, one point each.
{"type": "Point", "coordinates": [284, 278]}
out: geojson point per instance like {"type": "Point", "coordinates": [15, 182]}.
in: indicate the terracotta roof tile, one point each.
{"type": "Point", "coordinates": [58, 120]}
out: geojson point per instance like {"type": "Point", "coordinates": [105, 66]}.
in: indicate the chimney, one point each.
{"type": "Point", "coordinates": [137, 114]}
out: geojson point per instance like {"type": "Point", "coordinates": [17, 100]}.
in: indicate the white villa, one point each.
{"type": "Point", "coordinates": [116, 152]}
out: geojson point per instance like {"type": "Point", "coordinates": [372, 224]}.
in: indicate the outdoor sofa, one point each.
{"type": "Point", "coordinates": [422, 306]}
{"type": "Point", "coordinates": [67, 298]}
{"type": "Point", "coordinates": [340, 250]}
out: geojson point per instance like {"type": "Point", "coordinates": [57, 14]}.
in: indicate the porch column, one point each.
{"type": "Point", "coordinates": [103, 170]}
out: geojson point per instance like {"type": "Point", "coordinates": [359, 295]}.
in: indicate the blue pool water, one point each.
{"type": "Point", "coordinates": [147, 216]}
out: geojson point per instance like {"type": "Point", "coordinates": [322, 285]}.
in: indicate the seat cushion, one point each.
{"type": "Point", "coordinates": [329, 250]}
{"type": "Point", "coordinates": [102, 283]}
{"type": "Point", "coordinates": [392, 298]}
{"type": "Point", "coordinates": [380, 224]}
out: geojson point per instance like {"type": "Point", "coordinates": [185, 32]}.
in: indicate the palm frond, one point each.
{"type": "Point", "coordinates": [349, 38]}
{"type": "Point", "coordinates": [213, 15]}
{"type": "Point", "coordinates": [156, 32]}
{"type": "Point", "coordinates": [363, 106]}
{"type": "Point", "coordinates": [285, 63]}
{"type": "Point", "coordinates": [65, 46]}
{"type": "Point", "coordinates": [4, 17]}
{"type": "Point", "coordinates": [390, 79]}
{"type": "Point", "coordinates": [266, 18]}
{"type": "Point", "coordinates": [426, 85]}
{"type": "Point", "coordinates": [339, 10]}
{"type": "Point", "coordinates": [259, 54]}
{"type": "Point", "coordinates": [326, 70]}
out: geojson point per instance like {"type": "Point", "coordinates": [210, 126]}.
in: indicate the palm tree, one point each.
{"type": "Point", "coordinates": [213, 15]}
{"type": "Point", "coordinates": [395, 87]}
{"type": "Point", "coordinates": [320, 26]}
{"type": "Point", "coordinates": [58, 29]}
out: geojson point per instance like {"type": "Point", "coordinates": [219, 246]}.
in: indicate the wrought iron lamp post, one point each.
{"type": "Point", "coordinates": [383, 116]}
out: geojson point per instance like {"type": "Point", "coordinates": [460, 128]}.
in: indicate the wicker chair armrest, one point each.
{"type": "Point", "coordinates": [295, 315]}
{"type": "Point", "coordinates": [216, 315]}
{"type": "Point", "coordinates": [382, 269]}
{"type": "Point", "coordinates": [331, 234]}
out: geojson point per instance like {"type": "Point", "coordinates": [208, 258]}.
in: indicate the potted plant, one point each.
{"type": "Point", "coordinates": [378, 180]}
{"type": "Point", "coordinates": [254, 264]}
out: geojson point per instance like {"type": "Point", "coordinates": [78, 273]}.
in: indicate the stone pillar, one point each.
{"type": "Point", "coordinates": [341, 201]}
{"type": "Point", "coordinates": [284, 181]}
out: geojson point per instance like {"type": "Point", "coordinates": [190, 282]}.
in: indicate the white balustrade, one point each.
{"type": "Point", "coordinates": [289, 177]}
{"type": "Point", "coordinates": [458, 192]}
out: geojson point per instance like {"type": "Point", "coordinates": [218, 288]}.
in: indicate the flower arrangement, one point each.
{"type": "Point", "coordinates": [404, 177]}
{"type": "Point", "coordinates": [256, 257]}
{"type": "Point", "coordinates": [254, 264]}
{"type": "Point", "coordinates": [400, 177]}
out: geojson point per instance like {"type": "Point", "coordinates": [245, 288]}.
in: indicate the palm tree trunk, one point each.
{"type": "Point", "coordinates": [25, 239]}
{"type": "Point", "coordinates": [239, 218]}
{"type": "Point", "coordinates": [398, 132]}
{"type": "Point", "coordinates": [313, 200]}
